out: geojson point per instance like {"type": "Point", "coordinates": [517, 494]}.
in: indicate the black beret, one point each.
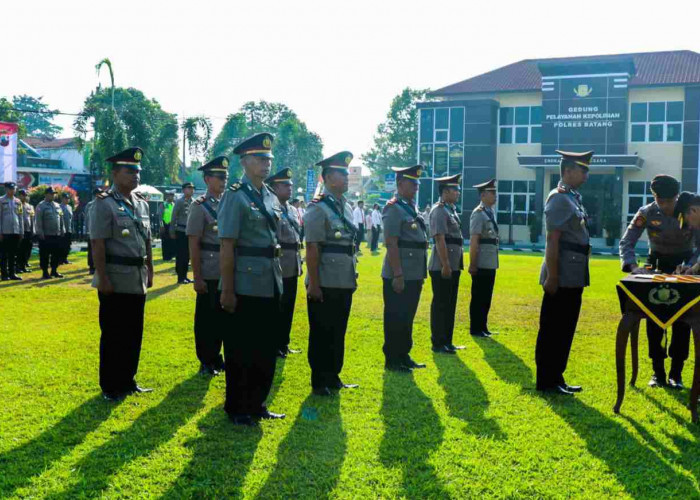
{"type": "Point", "coordinates": [664, 186]}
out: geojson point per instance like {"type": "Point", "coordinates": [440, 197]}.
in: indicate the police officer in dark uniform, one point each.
{"type": "Point", "coordinates": [178, 232]}
{"type": "Point", "coordinates": [404, 270]}
{"type": "Point", "coordinates": [564, 273]}
{"type": "Point", "coordinates": [331, 274]}
{"type": "Point", "coordinates": [670, 245]}
{"type": "Point", "coordinates": [483, 258]}
{"type": "Point", "coordinates": [289, 238]}
{"type": "Point", "coordinates": [25, 246]}
{"type": "Point", "coordinates": [446, 264]}
{"type": "Point", "coordinates": [251, 283]}
{"type": "Point", "coordinates": [11, 231]}
{"type": "Point", "coordinates": [49, 230]}
{"type": "Point", "coordinates": [120, 230]}
{"type": "Point", "coordinates": [203, 233]}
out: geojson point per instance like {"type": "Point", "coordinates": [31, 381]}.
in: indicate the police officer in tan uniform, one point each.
{"type": "Point", "coordinates": [251, 283]}
{"type": "Point", "coordinates": [289, 238]}
{"type": "Point", "coordinates": [331, 274]}
{"type": "Point", "coordinates": [120, 230]}
{"type": "Point", "coordinates": [67, 239]}
{"type": "Point", "coordinates": [11, 231]}
{"type": "Point", "coordinates": [25, 246]}
{"type": "Point", "coordinates": [670, 245]}
{"type": "Point", "coordinates": [404, 270]}
{"type": "Point", "coordinates": [203, 234]}
{"type": "Point", "coordinates": [483, 258]}
{"type": "Point", "coordinates": [564, 273]}
{"type": "Point", "coordinates": [446, 264]}
{"type": "Point", "coordinates": [49, 230]}
{"type": "Point", "coordinates": [178, 232]}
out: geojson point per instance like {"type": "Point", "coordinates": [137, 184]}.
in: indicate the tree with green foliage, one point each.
{"type": "Point", "coordinates": [37, 117]}
{"type": "Point", "coordinates": [295, 145]}
{"type": "Point", "coordinates": [9, 115]}
{"type": "Point", "coordinates": [396, 140]}
{"type": "Point", "coordinates": [197, 132]}
{"type": "Point", "coordinates": [134, 120]}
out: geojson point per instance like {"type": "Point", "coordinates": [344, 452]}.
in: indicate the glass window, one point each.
{"type": "Point", "coordinates": [503, 217]}
{"type": "Point", "coordinates": [506, 116]}
{"type": "Point", "coordinates": [531, 186]}
{"type": "Point", "coordinates": [674, 111]}
{"type": "Point", "coordinates": [441, 136]}
{"type": "Point", "coordinates": [636, 202]}
{"type": "Point", "coordinates": [426, 156]}
{"type": "Point", "coordinates": [504, 202]}
{"type": "Point", "coordinates": [522, 115]}
{"type": "Point", "coordinates": [656, 133]}
{"type": "Point", "coordinates": [536, 115]}
{"type": "Point", "coordinates": [442, 118]}
{"type": "Point", "coordinates": [519, 219]}
{"type": "Point", "coordinates": [674, 131]}
{"type": "Point", "coordinates": [639, 112]}
{"type": "Point", "coordinates": [456, 157]}
{"type": "Point", "coordinates": [531, 201]}
{"type": "Point", "coordinates": [639, 133]}
{"type": "Point", "coordinates": [456, 124]}
{"type": "Point", "coordinates": [657, 111]}
{"type": "Point", "coordinates": [441, 157]}
{"type": "Point", "coordinates": [506, 135]}
{"type": "Point", "coordinates": [505, 186]}
{"type": "Point", "coordinates": [536, 135]}
{"type": "Point", "coordinates": [520, 186]}
{"type": "Point", "coordinates": [520, 202]}
{"type": "Point", "coordinates": [521, 135]}
{"type": "Point", "coordinates": [636, 187]}
{"type": "Point", "coordinates": [426, 125]}
{"type": "Point", "coordinates": [639, 195]}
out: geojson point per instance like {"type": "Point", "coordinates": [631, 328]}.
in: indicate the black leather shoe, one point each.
{"type": "Point", "coordinates": [341, 385]}
{"type": "Point", "coordinates": [5, 278]}
{"type": "Point", "coordinates": [573, 388]}
{"type": "Point", "coordinates": [456, 347]}
{"type": "Point", "coordinates": [557, 389]}
{"type": "Point", "coordinates": [443, 349]}
{"type": "Point", "coordinates": [398, 367]}
{"type": "Point", "coordinates": [56, 274]}
{"type": "Point", "coordinates": [675, 383]}
{"type": "Point", "coordinates": [489, 333]}
{"type": "Point", "coordinates": [246, 420]}
{"type": "Point", "coordinates": [293, 351]}
{"type": "Point", "coordinates": [141, 390]}
{"type": "Point", "coordinates": [113, 396]}
{"type": "Point", "coordinates": [480, 334]}
{"type": "Point", "coordinates": [207, 370]}
{"type": "Point", "coordinates": [657, 380]}
{"type": "Point", "coordinates": [14, 277]}
{"type": "Point", "coordinates": [19, 271]}
{"type": "Point", "coordinates": [45, 276]}
{"type": "Point", "coordinates": [268, 415]}
{"type": "Point", "coordinates": [322, 391]}
{"type": "Point", "coordinates": [412, 364]}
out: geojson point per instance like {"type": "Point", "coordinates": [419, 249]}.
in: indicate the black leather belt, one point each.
{"type": "Point", "coordinates": [418, 245]}
{"type": "Point", "coordinates": [290, 246]}
{"type": "Point", "coordinates": [125, 261]}
{"type": "Point", "coordinates": [268, 252]}
{"type": "Point", "coordinates": [449, 240]}
{"type": "Point", "coordinates": [489, 241]}
{"type": "Point", "coordinates": [330, 248]}
{"type": "Point", "coordinates": [575, 247]}
{"type": "Point", "coordinates": [210, 247]}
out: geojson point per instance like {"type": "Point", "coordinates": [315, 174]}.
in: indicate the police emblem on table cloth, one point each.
{"type": "Point", "coordinates": [664, 295]}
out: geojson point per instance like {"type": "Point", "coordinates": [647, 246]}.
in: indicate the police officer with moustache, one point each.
{"type": "Point", "coordinates": [11, 232]}
{"type": "Point", "coordinates": [120, 230]}
{"type": "Point", "coordinates": [178, 228]}
{"type": "Point", "coordinates": [289, 238]}
{"type": "Point", "coordinates": [331, 274]}
{"type": "Point", "coordinates": [564, 273]}
{"type": "Point", "coordinates": [446, 264]}
{"type": "Point", "coordinates": [670, 245]}
{"type": "Point", "coordinates": [25, 245]}
{"type": "Point", "coordinates": [251, 283]}
{"type": "Point", "coordinates": [483, 258]}
{"type": "Point", "coordinates": [203, 234]}
{"type": "Point", "coordinates": [49, 230]}
{"type": "Point", "coordinates": [405, 269]}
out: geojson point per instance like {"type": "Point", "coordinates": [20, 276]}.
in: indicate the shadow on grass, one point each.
{"type": "Point", "coordinates": [154, 294]}
{"type": "Point", "coordinates": [634, 465]}
{"type": "Point", "coordinates": [466, 396]}
{"type": "Point", "coordinates": [150, 430]}
{"type": "Point", "coordinates": [19, 465]}
{"type": "Point", "coordinates": [412, 432]}
{"type": "Point", "coordinates": [311, 455]}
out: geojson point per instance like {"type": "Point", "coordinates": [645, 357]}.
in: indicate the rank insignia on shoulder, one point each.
{"type": "Point", "coordinates": [318, 198]}
{"type": "Point", "coordinates": [392, 201]}
{"type": "Point", "coordinates": [639, 221]}
{"type": "Point", "coordinates": [200, 200]}
{"type": "Point", "coordinates": [655, 223]}
{"type": "Point", "coordinates": [235, 186]}
{"type": "Point", "coordinates": [103, 195]}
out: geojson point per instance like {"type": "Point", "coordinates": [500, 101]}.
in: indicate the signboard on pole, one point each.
{"type": "Point", "coordinates": [390, 183]}
{"type": "Point", "coordinates": [310, 183]}
{"type": "Point", "coordinates": [355, 179]}
{"type": "Point", "coordinates": [8, 152]}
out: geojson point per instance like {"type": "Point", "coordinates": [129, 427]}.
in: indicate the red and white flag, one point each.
{"type": "Point", "coordinates": [8, 152]}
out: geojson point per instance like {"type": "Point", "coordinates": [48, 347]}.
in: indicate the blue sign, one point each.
{"type": "Point", "coordinates": [310, 183]}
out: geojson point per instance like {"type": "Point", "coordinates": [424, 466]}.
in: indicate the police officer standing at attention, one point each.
{"type": "Point", "coordinates": [11, 232]}
{"type": "Point", "coordinates": [446, 264]}
{"type": "Point", "coordinates": [331, 274]}
{"type": "Point", "coordinates": [564, 273]}
{"type": "Point", "coordinates": [483, 258]}
{"type": "Point", "coordinates": [251, 283]}
{"type": "Point", "coordinates": [203, 234]}
{"type": "Point", "coordinates": [404, 270]}
{"type": "Point", "coordinates": [49, 230]}
{"type": "Point", "coordinates": [67, 211]}
{"type": "Point", "coordinates": [25, 246]}
{"type": "Point", "coordinates": [178, 227]}
{"type": "Point", "coordinates": [289, 238]}
{"type": "Point", "coordinates": [670, 245]}
{"type": "Point", "coordinates": [120, 230]}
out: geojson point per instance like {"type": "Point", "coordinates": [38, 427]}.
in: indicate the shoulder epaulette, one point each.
{"type": "Point", "coordinates": [235, 186]}
{"type": "Point", "coordinates": [139, 195]}
{"type": "Point", "coordinates": [479, 209]}
{"type": "Point", "coordinates": [318, 198]}
{"type": "Point", "coordinates": [392, 201]}
{"type": "Point", "coordinates": [561, 190]}
{"type": "Point", "coordinates": [103, 195]}
{"type": "Point", "coordinates": [201, 199]}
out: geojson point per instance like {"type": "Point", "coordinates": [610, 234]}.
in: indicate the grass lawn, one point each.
{"type": "Point", "coordinates": [467, 426]}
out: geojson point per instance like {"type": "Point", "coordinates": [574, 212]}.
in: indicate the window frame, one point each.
{"type": "Point", "coordinates": [646, 196]}
{"type": "Point", "coordinates": [529, 195]}
{"type": "Point", "coordinates": [664, 124]}
{"type": "Point", "coordinates": [513, 128]}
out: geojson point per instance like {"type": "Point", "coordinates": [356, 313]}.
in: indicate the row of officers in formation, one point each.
{"type": "Point", "coordinates": [245, 243]}
{"type": "Point", "coordinates": [20, 223]}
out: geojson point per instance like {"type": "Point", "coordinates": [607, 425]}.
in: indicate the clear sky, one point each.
{"type": "Point", "coordinates": [337, 64]}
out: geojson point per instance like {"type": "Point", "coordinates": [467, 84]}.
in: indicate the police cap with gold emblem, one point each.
{"type": "Point", "coordinates": [450, 181]}
{"type": "Point", "coordinates": [486, 186]}
{"type": "Point", "coordinates": [665, 187]}
{"type": "Point", "coordinates": [217, 167]}
{"type": "Point", "coordinates": [130, 158]}
{"type": "Point", "coordinates": [339, 161]}
{"type": "Point", "coordinates": [570, 159]}
{"type": "Point", "coordinates": [283, 176]}
{"type": "Point", "coordinates": [257, 145]}
{"type": "Point", "coordinates": [411, 173]}
{"type": "Point", "coordinates": [187, 185]}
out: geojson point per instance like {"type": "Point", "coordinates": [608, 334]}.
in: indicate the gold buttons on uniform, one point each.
{"type": "Point", "coordinates": [338, 235]}
{"type": "Point", "coordinates": [125, 233]}
{"type": "Point", "coordinates": [215, 228]}
{"type": "Point", "coordinates": [414, 226]}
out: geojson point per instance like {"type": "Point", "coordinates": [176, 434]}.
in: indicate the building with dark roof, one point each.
{"type": "Point", "coordinates": [638, 112]}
